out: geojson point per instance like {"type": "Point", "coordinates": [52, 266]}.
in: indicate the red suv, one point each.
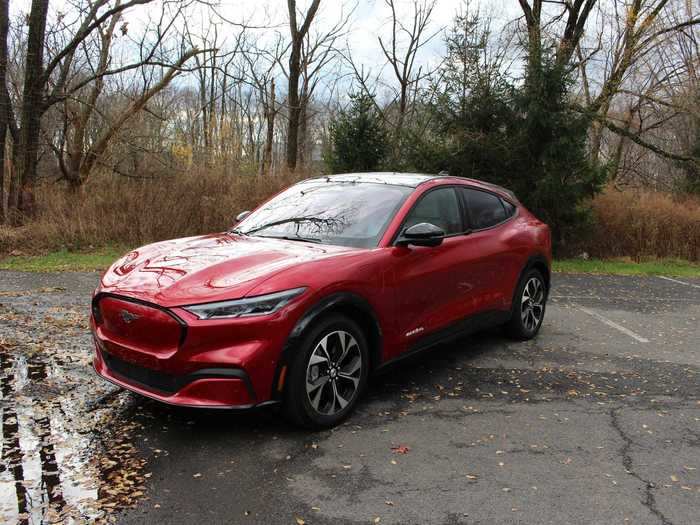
{"type": "Point", "coordinates": [322, 285]}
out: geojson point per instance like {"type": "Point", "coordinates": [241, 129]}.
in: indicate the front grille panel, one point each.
{"type": "Point", "coordinates": [152, 329]}
{"type": "Point", "coordinates": [152, 379]}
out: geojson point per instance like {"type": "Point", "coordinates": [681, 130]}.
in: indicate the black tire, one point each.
{"type": "Point", "coordinates": [298, 404]}
{"type": "Point", "coordinates": [523, 325]}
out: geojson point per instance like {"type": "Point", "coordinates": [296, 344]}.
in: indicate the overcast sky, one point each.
{"type": "Point", "coordinates": [370, 20]}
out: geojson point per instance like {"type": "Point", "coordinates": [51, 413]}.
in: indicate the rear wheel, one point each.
{"type": "Point", "coordinates": [528, 306]}
{"type": "Point", "coordinates": [328, 373]}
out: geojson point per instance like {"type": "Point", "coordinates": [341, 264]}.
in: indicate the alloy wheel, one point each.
{"type": "Point", "coordinates": [333, 372]}
{"type": "Point", "coordinates": [532, 303]}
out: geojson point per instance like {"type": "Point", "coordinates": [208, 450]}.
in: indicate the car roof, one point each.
{"type": "Point", "coordinates": [411, 180]}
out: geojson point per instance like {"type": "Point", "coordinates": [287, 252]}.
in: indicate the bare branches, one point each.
{"type": "Point", "coordinates": [412, 38]}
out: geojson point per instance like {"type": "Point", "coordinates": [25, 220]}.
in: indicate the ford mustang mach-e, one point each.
{"type": "Point", "coordinates": [322, 285]}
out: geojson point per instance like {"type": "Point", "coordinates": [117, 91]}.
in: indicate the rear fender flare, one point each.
{"type": "Point", "coordinates": [532, 262]}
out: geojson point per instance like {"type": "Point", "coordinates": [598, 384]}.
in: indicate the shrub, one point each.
{"type": "Point", "coordinates": [116, 210]}
{"type": "Point", "coordinates": [644, 224]}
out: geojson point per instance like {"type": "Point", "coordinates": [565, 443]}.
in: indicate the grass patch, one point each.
{"type": "Point", "coordinates": [669, 267]}
{"type": "Point", "coordinates": [63, 261]}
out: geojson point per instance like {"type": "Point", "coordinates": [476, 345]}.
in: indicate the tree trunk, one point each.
{"type": "Point", "coordinates": [4, 102]}
{"type": "Point", "coordinates": [298, 34]}
{"type": "Point", "coordinates": [294, 109]}
{"type": "Point", "coordinates": [597, 129]}
{"type": "Point", "coordinates": [270, 136]}
{"type": "Point", "coordinates": [224, 136]}
{"type": "Point", "coordinates": [303, 127]}
{"type": "Point", "coordinates": [27, 151]}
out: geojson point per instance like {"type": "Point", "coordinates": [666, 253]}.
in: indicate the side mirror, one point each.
{"type": "Point", "coordinates": [242, 216]}
{"type": "Point", "coordinates": [422, 234]}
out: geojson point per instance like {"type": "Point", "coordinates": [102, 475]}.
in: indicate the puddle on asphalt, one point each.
{"type": "Point", "coordinates": [67, 455]}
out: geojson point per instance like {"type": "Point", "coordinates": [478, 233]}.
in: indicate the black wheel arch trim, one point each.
{"type": "Point", "coordinates": [533, 261]}
{"type": "Point", "coordinates": [327, 304]}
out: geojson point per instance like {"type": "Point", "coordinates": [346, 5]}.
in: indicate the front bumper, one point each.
{"type": "Point", "coordinates": [209, 364]}
{"type": "Point", "coordinates": [207, 388]}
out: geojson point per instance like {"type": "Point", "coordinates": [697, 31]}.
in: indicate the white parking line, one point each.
{"type": "Point", "coordinates": [614, 325]}
{"type": "Point", "coordinates": [677, 281]}
{"type": "Point", "coordinates": [623, 298]}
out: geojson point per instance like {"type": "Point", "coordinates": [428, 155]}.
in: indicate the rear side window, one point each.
{"type": "Point", "coordinates": [439, 207]}
{"type": "Point", "coordinates": [510, 208]}
{"type": "Point", "coordinates": [485, 209]}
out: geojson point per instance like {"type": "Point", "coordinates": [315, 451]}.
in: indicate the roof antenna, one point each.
{"type": "Point", "coordinates": [444, 173]}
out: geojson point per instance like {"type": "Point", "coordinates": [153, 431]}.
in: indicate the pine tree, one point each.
{"type": "Point", "coordinates": [358, 139]}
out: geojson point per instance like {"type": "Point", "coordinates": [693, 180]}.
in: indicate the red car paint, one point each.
{"type": "Point", "coordinates": [147, 343]}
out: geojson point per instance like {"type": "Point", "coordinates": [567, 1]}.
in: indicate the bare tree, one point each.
{"type": "Point", "coordinates": [42, 77]}
{"type": "Point", "coordinates": [260, 75]}
{"type": "Point", "coordinates": [403, 61]}
{"type": "Point", "coordinates": [74, 170]}
{"type": "Point", "coordinates": [298, 33]}
{"type": "Point", "coordinates": [317, 52]}
{"type": "Point", "coordinates": [575, 13]}
{"type": "Point", "coordinates": [642, 30]}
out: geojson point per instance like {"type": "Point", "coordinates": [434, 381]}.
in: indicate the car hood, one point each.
{"type": "Point", "coordinates": [207, 268]}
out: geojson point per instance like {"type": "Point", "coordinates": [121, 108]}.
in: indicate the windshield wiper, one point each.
{"type": "Point", "coordinates": [292, 238]}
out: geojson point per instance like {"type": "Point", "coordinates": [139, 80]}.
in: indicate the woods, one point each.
{"type": "Point", "coordinates": [110, 100]}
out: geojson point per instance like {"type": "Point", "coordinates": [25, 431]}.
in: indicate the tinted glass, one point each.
{"type": "Point", "coordinates": [439, 207]}
{"type": "Point", "coordinates": [510, 209]}
{"type": "Point", "coordinates": [341, 213]}
{"type": "Point", "coordinates": [485, 209]}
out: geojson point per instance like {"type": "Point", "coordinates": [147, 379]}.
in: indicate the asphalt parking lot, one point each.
{"type": "Point", "coordinates": [595, 421]}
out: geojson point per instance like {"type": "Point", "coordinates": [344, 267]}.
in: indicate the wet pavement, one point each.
{"type": "Point", "coordinates": [596, 421]}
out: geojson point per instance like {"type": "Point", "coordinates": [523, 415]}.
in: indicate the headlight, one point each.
{"type": "Point", "coordinates": [260, 305]}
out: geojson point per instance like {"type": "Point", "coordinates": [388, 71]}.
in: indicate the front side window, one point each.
{"type": "Point", "coordinates": [485, 209]}
{"type": "Point", "coordinates": [439, 207]}
{"type": "Point", "coordinates": [329, 212]}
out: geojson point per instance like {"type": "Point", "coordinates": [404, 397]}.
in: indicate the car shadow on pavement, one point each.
{"type": "Point", "coordinates": [416, 372]}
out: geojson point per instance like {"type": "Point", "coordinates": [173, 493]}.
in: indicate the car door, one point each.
{"type": "Point", "coordinates": [492, 262]}
{"type": "Point", "coordinates": [429, 282]}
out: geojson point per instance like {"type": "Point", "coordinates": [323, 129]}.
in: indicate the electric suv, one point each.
{"type": "Point", "coordinates": [319, 287]}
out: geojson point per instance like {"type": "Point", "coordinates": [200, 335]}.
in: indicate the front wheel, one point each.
{"type": "Point", "coordinates": [328, 373]}
{"type": "Point", "coordinates": [528, 306]}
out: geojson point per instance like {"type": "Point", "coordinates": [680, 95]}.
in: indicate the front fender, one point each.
{"type": "Point", "coordinates": [338, 301]}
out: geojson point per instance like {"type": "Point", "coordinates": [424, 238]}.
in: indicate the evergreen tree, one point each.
{"type": "Point", "coordinates": [358, 139]}
{"type": "Point", "coordinates": [692, 169]}
{"type": "Point", "coordinates": [523, 135]}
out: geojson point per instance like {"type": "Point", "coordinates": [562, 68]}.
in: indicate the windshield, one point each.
{"type": "Point", "coordinates": [340, 213]}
